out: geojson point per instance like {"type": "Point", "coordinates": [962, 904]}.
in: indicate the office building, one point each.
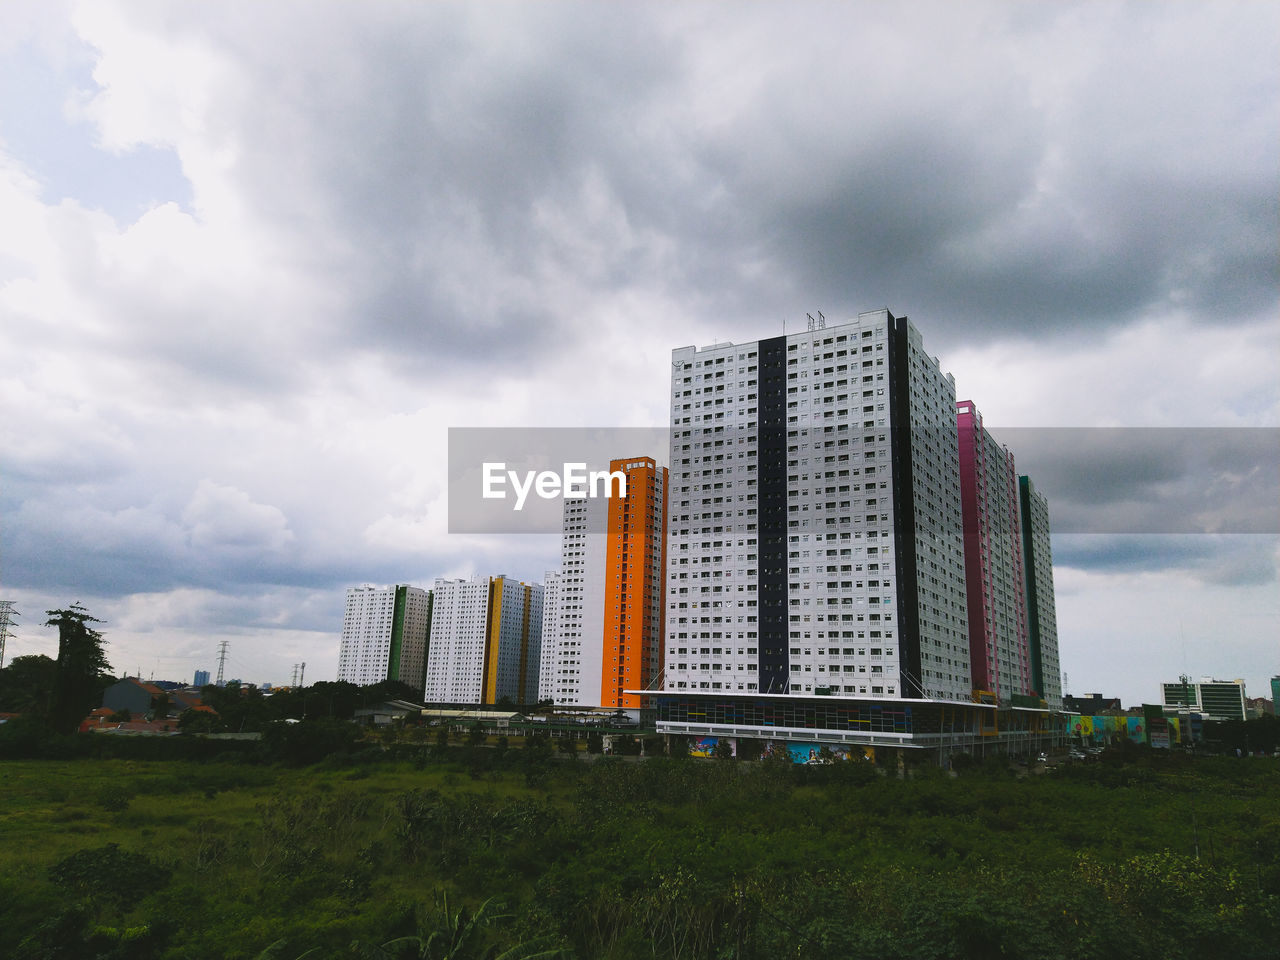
{"type": "Point", "coordinates": [201, 678]}
{"type": "Point", "coordinates": [999, 658]}
{"type": "Point", "coordinates": [815, 566]}
{"type": "Point", "coordinates": [485, 641]}
{"type": "Point", "coordinates": [602, 614]}
{"type": "Point", "coordinates": [385, 632]}
{"type": "Point", "coordinates": [1212, 699]}
{"type": "Point", "coordinates": [1042, 611]}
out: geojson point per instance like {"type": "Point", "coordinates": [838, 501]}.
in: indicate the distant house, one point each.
{"type": "Point", "coordinates": [140, 698]}
{"type": "Point", "coordinates": [100, 721]}
{"type": "Point", "coordinates": [383, 713]}
{"type": "Point", "coordinates": [182, 700]}
{"type": "Point", "coordinates": [1256, 707]}
{"type": "Point", "coordinates": [132, 694]}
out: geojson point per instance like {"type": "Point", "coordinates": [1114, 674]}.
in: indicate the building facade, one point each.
{"type": "Point", "coordinates": [815, 568]}
{"type": "Point", "coordinates": [999, 657]}
{"type": "Point", "coordinates": [486, 641]}
{"type": "Point", "coordinates": [573, 608]}
{"type": "Point", "coordinates": [602, 615]}
{"type": "Point", "coordinates": [1042, 611]}
{"type": "Point", "coordinates": [1213, 699]}
{"type": "Point", "coordinates": [385, 633]}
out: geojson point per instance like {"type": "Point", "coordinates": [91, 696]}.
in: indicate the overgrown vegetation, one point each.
{"type": "Point", "coordinates": [467, 851]}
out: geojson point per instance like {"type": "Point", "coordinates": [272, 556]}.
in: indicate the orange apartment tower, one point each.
{"type": "Point", "coordinates": [635, 577]}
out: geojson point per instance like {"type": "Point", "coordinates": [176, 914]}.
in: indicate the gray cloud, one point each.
{"type": "Point", "coordinates": [1230, 561]}
{"type": "Point", "coordinates": [1153, 480]}
{"type": "Point", "coordinates": [450, 215]}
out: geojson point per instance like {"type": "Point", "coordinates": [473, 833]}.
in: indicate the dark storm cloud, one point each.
{"type": "Point", "coordinates": [423, 146]}
{"type": "Point", "coordinates": [1220, 560]}
{"type": "Point", "coordinates": [991, 208]}
{"type": "Point", "coordinates": [1153, 480]}
{"type": "Point", "coordinates": [1035, 173]}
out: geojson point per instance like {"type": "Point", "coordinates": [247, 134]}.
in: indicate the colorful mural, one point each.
{"type": "Point", "coordinates": [813, 752]}
{"type": "Point", "coordinates": [706, 746]}
{"type": "Point", "coordinates": [1102, 730]}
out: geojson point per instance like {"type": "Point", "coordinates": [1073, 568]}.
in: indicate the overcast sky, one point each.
{"type": "Point", "coordinates": [256, 259]}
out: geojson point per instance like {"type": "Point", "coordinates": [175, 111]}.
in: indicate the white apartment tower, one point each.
{"type": "Point", "coordinates": [815, 566]}
{"type": "Point", "coordinates": [573, 609]}
{"type": "Point", "coordinates": [485, 641]}
{"type": "Point", "coordinates": [385, 632]}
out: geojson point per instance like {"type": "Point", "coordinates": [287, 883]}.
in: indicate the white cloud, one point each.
{"type": "Point", "coordinates": [222, 516]}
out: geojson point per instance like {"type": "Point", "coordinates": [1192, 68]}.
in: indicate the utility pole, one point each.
{"type": "Point", "coordinates": [6, 613]}
{"type": "Point", "coordinates": [302, 674]}
{"type": "Point", "coordinates": [222, 659]}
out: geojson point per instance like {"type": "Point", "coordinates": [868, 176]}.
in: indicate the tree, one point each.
{"type": "Point", "coordinates": [242, 710]}
{"type": "Point", "coordinates": [389, 690]}
{"type": "Point", "coordinates": [198, 721]}
{"type": "Point", "coordinates": [81, 666]}
{"type": "Point", "coordinates": [26, 685]}
{"type": "Point", "coordinates": [160, 709]}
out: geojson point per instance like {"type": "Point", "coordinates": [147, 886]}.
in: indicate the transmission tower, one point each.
{"type": "Point", "coordinates": [6, 614]}
{"type": "Point", "coordinates": [222, 659]}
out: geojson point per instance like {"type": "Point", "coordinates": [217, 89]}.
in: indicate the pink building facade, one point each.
{"type": "Point", "coordinates": [999, 652]}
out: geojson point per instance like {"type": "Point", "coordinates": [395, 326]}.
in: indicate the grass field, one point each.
{"type": "Point", "coordinates": [661, 858]}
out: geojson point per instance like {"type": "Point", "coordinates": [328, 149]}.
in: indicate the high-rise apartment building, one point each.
{"type": "Point", "coordinates": [1042, 613]}
{"type": "Point", "coordinates": [485, 641]}
{"type": "Point", "coordinates": [602, 613]}
{"type": "Point", "coordinates": [999, 654]}
{"type": "Point", "coordinates": [201, 678]}
{"type": "Point", "coordinates": [815, 566]}
{"type": "Point", "coordinates": [384, 635]}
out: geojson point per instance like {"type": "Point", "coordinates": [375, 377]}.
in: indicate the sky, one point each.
{"type": "Point", "coordinates": [257, 259]}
